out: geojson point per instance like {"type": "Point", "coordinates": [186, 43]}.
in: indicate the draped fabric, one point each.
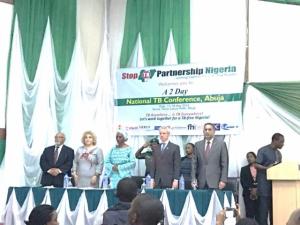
{"type": "Point", "coordinates": [151, 25]}
{"type": "Point", "coordinates": [293, 2]}
{"type": "Point", "coordinates": [76, 206]}
{"type": "Point", "coordinates": [55, 84]}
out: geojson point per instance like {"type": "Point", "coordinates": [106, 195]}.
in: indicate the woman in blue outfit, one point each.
{"type": "Point", "coordinates": [120, 160]}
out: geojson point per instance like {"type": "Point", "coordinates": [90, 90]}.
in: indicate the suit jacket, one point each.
{"type": "Point", "coordinates": [247, 180]}
{"type": "Point", "coordinates": [165, 165]}
{"type": "Point", "coordinates": [214, 169]}
{"type": "Point", "coordinates": [64, 163]}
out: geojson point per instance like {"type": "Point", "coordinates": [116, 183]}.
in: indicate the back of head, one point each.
{"type": "Point", "coordinates": [147, 210]}
{"type": "Point", "coordinates": [40, 215]}
{"type": "Point", "coordinates": [126, 189]}
{"type": "Point", "coordinates": [246, 221]}
{"type": "Point", "coordinates": [294, 218]}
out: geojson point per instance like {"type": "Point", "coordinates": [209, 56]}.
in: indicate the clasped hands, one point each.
{"type": "Point", "coordinates": [54, 171]}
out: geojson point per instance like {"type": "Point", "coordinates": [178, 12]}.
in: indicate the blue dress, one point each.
{"type": "Point", "coordinates": [124, 158]}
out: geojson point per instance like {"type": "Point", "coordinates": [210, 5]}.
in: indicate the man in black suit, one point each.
{"type": "Point", "coordinates": [56, 161]}
{"type": "Point", "coordinates": [165, 165]}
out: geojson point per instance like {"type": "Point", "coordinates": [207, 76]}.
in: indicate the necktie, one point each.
{"type": "Point", "coordinates": [207, 149]}
{"type": "Point", "coordinates": [163, 145]}
{"type": "Point", "coordinates": [55, 154]}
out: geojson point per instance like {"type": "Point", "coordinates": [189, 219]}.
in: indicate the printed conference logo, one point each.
{"type": "Point", "coordinates": [145, 75]}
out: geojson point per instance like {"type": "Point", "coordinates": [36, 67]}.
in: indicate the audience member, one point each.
{"type": "Point", "coordinates": [294, 218]}
{"type": "Point", "coordinates": [147, 155]}
{"type": "Point", "coordinates": [120, 160]}
{"type": "Point", "coordinates": [165, 167]}
{"type": "Point", "coordinates": [145, 210]}
{"type": "Point", "coordinates": [56, 161]}
{"type": "Point", "coordinates": [118, 214]}
{"type": "Point", "coordinates": [88, 162]}
{"type": "Point", "coordinates": [186, 165]}
{"type": "Point", "coordinates": [249, 184]}
{"type": "Point", "coordinates": [210, 162]}
{"type": "Point", "coordinates": [42, 215]}
{"type": "Point", "coordinates": [267, 156]}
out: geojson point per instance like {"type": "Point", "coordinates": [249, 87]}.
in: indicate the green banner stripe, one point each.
{"type": "Point", "coordinates": [179, 99]}
{"type": "Point", "coordinates": [2, 149]}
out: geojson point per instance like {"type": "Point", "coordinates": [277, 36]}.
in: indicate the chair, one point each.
{"type": "Point", "coordinates": [233, 184]}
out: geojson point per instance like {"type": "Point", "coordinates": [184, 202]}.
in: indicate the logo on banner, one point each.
{"type": "Point", "coordinates": [146, 75]}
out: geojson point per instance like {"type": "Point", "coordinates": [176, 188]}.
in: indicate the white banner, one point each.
{"type": "Point", "coordinates": [183, 97]}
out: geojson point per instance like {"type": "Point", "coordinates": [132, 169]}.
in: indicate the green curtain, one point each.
{"type": "Point", "coordinates": [285, 94]}
{"type": "Point", "coordinates": [32, 18]}
{"type": "Point", "coordinates": [293, 2]}
{"type": "Point", "coordinates": [63, 29]}
{"type": "Point", "coordinates": [2, 149]}
{"type": "Point", "coordinates": [154, 19]}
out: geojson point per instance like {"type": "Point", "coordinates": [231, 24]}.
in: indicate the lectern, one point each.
{"type": "Point", "coordinates": [286, 190]}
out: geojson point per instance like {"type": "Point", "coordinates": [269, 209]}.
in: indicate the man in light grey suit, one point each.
{"type": "Point", "coordinates": [210, 162]}
{"type": "Point", "coordinates": [165, 165]}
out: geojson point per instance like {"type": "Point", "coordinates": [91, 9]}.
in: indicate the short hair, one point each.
{"type": "Point", "coordinates": [191, 144]}
{"type": "Point", "coordinates": [149, 210]}
{"type": "Point", "coordinates": [246, 221]}
{"type": "Point", "coordinates": [127, 189]}
{"type": "Point", "coordinates": [276, 136]}
{"type": "Point", "coordinates": [210, 124]}
{"type": "Point", "coordinates": [164, 128]}
{"type": "Point", "coordinates": [90, 133]}
{"type": "Point", "coordinates": [40, 215]}
{"type": "Point", "coordinates": [294, 218]}
{"type": "Point", "coordinates": [252, 153]}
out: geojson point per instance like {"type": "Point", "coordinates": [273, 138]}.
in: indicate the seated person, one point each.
{"type": "Point", "coordinates": [118, 214]}
{"type": "Point", "coordinates": [186, 165]}
{"type": "Point", "coordinates": [146, 210]}
{"type": "Point", "coordinates": [147, 155]}
{"type": "Point", "coordinates": [42, 215]}
{"type": "Point", "coordinates": [294, 218]}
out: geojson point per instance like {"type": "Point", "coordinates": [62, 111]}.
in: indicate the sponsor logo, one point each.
{"type": "Point", "coordinates": [191, 127]}
{"type": "Point", "coordinates": [146, 75]}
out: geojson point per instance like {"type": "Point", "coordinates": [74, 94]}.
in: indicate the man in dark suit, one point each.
{"type": "Point", "coordinates": [55, 162]}
{"type": "Point", "coordinates": [210, 161]}
{"type": "Point", "coordinates": [165, 165]}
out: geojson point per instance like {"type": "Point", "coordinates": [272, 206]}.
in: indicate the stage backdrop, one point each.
{"type": "Point", "coordinates": [182, 97]}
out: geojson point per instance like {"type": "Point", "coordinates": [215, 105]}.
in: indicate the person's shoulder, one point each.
{"type": "Point", "coordinates": [49, 148]}
{"type": "Point", "coordinates": [67, 148]}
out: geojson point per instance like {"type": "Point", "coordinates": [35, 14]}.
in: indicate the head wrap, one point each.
{"type": "Point", "coordinates": [124, 133]}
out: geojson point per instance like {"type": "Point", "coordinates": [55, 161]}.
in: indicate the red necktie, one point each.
{"type": "Point", "coordinates": [207, 149]}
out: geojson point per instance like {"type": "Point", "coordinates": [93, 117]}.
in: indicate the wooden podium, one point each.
{"type": "Point", "coordinates": [286, 190]}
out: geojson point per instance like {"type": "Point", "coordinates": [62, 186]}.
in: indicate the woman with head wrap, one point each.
{"type": "Point", "coordinates": [120, 160]}
{"type": "Point", "coordinates": [43, 215]}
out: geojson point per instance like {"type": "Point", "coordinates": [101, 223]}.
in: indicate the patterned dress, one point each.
{"type": "Point", "coordinates": [87, 163]}
{"type": "Point", "coordinates": [124, 158]}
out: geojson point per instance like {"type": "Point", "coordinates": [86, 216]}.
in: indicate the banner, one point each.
{"type": "Point", "coordinates": [182, 97]}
